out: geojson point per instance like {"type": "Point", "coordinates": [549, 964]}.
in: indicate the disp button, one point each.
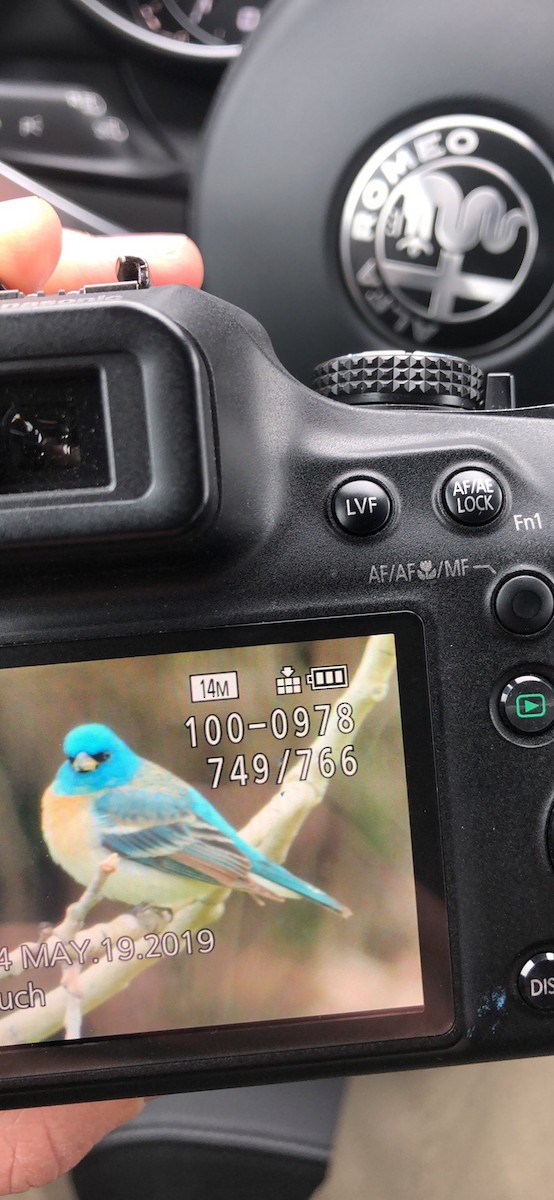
{"type": "Point", "coordinates": [536, 981]}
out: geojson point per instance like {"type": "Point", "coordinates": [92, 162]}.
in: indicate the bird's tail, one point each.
{"type": "Point", "coordinates": [271, 880]}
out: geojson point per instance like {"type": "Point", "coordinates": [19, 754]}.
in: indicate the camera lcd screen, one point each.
{"type": "Point", "coordinates": [212, 837]}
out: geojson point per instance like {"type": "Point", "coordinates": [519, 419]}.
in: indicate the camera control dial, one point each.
{"type": "Point", "coordinates": [397, 377]}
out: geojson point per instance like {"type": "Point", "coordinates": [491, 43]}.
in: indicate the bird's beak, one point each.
{"type": "Point", "coordinates": [84, 762]}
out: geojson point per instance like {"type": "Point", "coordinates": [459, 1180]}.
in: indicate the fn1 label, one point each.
{"type": "Point", "coordinates": [223, 685]}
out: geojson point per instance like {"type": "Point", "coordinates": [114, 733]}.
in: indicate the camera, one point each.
{"type": "Point", "coordinates": [276, 705]}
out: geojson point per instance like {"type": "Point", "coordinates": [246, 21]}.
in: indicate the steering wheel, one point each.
{"type": "Point", "coordinates": [380, 174]}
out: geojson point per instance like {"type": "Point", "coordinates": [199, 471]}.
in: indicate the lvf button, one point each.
{"type": "Point", "coordinates": [473, 497]}
{"type": "Point", "coordinates": [361, 507]}
{"type": "Point", "coordinates": [536, 981]}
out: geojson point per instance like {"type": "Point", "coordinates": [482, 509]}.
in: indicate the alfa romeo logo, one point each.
{"type": "Point", "coordinates": [447, 233]}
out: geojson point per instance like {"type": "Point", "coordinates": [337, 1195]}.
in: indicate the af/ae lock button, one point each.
{"type": "Point", "coordinates": [473, 497]}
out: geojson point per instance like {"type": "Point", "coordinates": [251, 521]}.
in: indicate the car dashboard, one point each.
{"type": "Point", "coordinates": [108, 119]}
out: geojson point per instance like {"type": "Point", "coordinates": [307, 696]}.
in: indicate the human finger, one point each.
{"type": "Point", "coordinates": [172, 258]}
{"type": "Point", "coordinates": [39, 1145]}
{"type": "Point", "coordinates": [30, 242]}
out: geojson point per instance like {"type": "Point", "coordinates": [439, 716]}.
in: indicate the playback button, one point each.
{"type": "Point", "coordinates": [527, 704]}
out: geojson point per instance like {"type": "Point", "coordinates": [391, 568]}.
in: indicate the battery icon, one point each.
{"type": "Point", "coordinates": [328, 677]}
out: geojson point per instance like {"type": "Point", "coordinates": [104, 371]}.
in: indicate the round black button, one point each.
{"type": "Point", "coordinates": [536, 981]}
{"type": "Point", "coordinates": [473, 497]}
{"type": "Point", "coordinates": [361, 507]}
{"type": "Point", "coordinates": [524, 604]}
{"type": "Point", "coordinates": [527, 704]}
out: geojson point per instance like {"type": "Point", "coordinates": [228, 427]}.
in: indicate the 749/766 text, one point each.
{"type": "Point", "coordinates": [259, 769]}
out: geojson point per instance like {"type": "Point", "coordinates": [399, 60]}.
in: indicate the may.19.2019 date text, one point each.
{"type": "Point", "coordinates": [55, 952]}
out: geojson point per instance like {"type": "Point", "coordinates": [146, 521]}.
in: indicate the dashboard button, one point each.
{"type": "Point", "coordinates": [361, 507]}
{"type": "Point", "coordinates": [524, 604]}
{"type": "Point", "coordinates": [527, 704]}
{"type": "Point", "coordinates": [473, 497]}
{"type": "Point", "coordinates": [57, 126]}
{"type": "Point", "coordinates": [536, 981]}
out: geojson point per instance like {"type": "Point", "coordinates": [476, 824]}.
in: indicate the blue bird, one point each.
{"type": "Point", "coordinates": [106, 799]}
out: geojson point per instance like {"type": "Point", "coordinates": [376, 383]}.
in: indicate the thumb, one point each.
{"type": "Point", "coordinates": [30, 243]}
{"type": "Point", "coordinates": [38, 1145]}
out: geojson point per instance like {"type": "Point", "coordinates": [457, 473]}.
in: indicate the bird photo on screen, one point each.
{"type": "Point", "coordinates": [106, 799]}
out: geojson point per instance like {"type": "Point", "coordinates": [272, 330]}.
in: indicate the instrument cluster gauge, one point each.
{"type": "Point", "coordinates": [205, 29]}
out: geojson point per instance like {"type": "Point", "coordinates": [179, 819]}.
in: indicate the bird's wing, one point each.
{"type": "Point", "coordinates": [168, 827]}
